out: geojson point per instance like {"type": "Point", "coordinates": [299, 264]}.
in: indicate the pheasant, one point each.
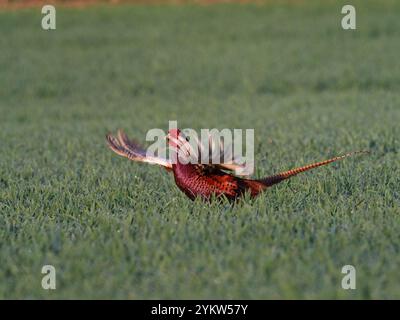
{"type": "Point", "coordinates": [206, 180]}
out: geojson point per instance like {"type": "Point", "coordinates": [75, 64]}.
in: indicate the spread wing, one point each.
{"type": "Point", "coordinates": [224, 156]}
{"type": "Point", "coordinates": [130, 149]}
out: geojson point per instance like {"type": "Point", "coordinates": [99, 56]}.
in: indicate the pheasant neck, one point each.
{"type": "Point", "coordinates": [181, 170]}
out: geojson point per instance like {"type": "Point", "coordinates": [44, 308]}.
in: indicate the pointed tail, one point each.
{"type": "Point", "coordinates": [276, 178]}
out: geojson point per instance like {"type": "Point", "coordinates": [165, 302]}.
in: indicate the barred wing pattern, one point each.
{"type": "Point", "coordinates": [132, 150]}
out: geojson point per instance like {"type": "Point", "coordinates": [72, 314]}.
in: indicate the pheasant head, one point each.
{"type": "Point", "coordinates": [175, 138]}
{"type": "Point", "coordinates": [179, 143]}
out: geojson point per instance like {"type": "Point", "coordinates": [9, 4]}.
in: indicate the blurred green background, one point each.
{"type": "Point", "coordinates": [117, 229]}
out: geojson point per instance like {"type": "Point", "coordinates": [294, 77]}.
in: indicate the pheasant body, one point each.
{"type": "Point", "coordinates": [207, 180]}
{"type": "Point", "coordinates": [194, 182]}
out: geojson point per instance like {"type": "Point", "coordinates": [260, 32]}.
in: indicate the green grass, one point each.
{"type": "Point", "coordinates": [117, 229]}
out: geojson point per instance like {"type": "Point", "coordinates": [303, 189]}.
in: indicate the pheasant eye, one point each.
{"type": "Point", "coordinates": [187, 139]}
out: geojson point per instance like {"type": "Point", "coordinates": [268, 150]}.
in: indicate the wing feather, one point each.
{"type": "Point", "coordinates": [132, 150]}
{"type": "Point", "coordinates": [129, 149]}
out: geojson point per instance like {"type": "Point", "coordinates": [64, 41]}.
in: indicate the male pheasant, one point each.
{"type": "Point", "coordinates": [206, 180]}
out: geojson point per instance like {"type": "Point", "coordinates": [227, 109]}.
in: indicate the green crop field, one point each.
{"type": "Point", "coordinates": [117, 229]}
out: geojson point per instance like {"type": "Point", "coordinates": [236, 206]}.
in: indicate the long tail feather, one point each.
{"type": "Point", "coordinates": [276, 178]}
